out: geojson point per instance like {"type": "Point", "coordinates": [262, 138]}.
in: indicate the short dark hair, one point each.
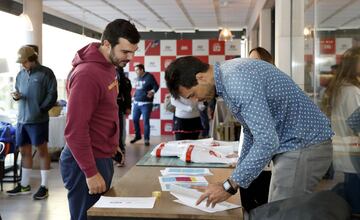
{"type": "Point", "coordinates": [264, 54]}
{"type": "Point", "coordinates": [140, 66]}
{"type": "Point", "coordinates": [182, 72]}
{"type": "Point", "coordinates": [120, 28]}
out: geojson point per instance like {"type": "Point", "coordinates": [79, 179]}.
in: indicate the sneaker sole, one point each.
{"type": "Point", "coordinates": [40, 198]}
{"type": "Point", "coordinates": [19, 193]}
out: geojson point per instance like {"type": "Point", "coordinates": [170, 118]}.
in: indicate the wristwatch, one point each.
{"type": "Point", "coordinates": [229, 188]}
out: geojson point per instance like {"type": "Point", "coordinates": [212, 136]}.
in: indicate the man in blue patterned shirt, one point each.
{"type": "Point", "coordinates": [280, 124]}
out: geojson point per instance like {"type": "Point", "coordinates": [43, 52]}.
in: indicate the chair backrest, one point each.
{"type": "Point", "coordinates": [325, 205]}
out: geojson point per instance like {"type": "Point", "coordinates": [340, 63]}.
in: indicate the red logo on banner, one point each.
{"type": "Point", "coordinates": [166, 127]}
{"type": "Point", "coordinates": [135, 61]}
{"type": "Point", "coordinates": [184, 47]}
{"type": "Point", "coordinates": [327, 46]}
{"type": "Point", "coordinates": [204, 59]}
{"type": "Point", "coordinates": [152, 47]}
{"type": "Point", "coordinates": [165, 61]}
{"type": "Point", "coordinates": [216, 47]}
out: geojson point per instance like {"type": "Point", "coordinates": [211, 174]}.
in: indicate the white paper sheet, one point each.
{"type": "Point", "coordinates": [189, 197]}
{"type": "Point", "coordinates": [125, 202]}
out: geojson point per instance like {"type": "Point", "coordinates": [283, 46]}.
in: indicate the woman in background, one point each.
{"type": "Point", "coordinates": [261, 54]}
{"type": "Point", "coordinates": [187, 122]}
{"type": "Point", "coordinates": [342, 100]}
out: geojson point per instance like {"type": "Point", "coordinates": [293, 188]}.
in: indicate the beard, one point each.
{"type": "Point", "coordinates": [117, 62]}
{"type": "Point", "coordinates": [209, 94]}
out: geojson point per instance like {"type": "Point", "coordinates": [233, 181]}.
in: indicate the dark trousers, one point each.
{"type": "Point", "coordinates": [145, 111]}
{"type": "Point", "coordinates": [75, 182]}
{"type": "Point", "coordinates": [205, 123]}
{"type": "Point", "coordinates": [352, 191]}
{"type": "Point", "coordinates": [187, 136]}
{"type": "Point", "coordinates": [121, 128]}
{"type": "Point", "coordinates": [257, 193]}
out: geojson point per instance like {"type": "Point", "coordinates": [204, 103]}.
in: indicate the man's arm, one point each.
{"type": "Point", "coordinates": [260, 136]}
{"type": "Point", "coordinates": [51, 92]}
{"type": "Point", "coordinates": [83, 98]}
{"type": "Point", "coordinates": [354, 120]}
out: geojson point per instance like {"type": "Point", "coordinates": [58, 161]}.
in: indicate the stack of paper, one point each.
{"type": "Point", "coordinates": [173, 171]}
{"type": "Point", "coordinates": [189, 197]}
{"type": "Point", "coordinates": [185, 181]}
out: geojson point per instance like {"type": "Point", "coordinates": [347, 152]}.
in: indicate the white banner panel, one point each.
{"type": "Point", "coordinates": [168, 48]}
{"type": "Point", "coordinates": [200, 47]}
{"type": "Point", "coordinates": [232, 47]}
{"type": "Point", "coordinates": [152, 63]}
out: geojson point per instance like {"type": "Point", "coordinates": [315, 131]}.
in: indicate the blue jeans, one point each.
{"type": "Point", "coordinates": [75, 182]}
{"type": "Point", "coordinates": [145, 110]}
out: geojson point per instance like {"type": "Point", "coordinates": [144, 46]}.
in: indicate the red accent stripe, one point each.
{"type": "Point", "coordinates": [158, 151]}
{"type": "Point", "coordinates": [188, 153]}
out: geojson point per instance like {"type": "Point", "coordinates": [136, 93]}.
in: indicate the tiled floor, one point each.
{"type": "Point", "coordinates": [55, 207]}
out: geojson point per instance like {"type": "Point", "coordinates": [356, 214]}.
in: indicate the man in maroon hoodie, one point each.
{"type": "Point", "coordinates": [92, 124]}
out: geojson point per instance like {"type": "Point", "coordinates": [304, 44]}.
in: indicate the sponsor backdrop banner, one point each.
{"type": "Point", "coordinates": [156, 55]}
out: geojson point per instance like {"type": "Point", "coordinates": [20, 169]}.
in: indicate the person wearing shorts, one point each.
{"type": "Point", "coordinates": [36, 94]}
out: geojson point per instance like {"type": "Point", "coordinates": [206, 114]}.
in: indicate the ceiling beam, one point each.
{"type": "Point", "coordinates": [351, 20]}
{"type": "Point", "coordinates": [124, 13]}
{"type": "Point", "coordinates": [186, 13]}
{"type": "Point", "coordinates": [338, 10]}
{"type": "Point", "coordinates": [86, 10]}
{"type": "Point", "coordinates": [71, 19]}
{"type": "Point", "coordinates": [155, 13]}
{"type": "Point", "coordinates": [216, 4]}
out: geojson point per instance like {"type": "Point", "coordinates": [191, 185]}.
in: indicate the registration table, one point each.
{"type": "Point", "coordinates": [142, 181]}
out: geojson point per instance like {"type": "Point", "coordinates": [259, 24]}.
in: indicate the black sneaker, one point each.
{"type": "Point", "coordinates": [134, 140]}
{"type": "Point", "coordinates": [147, 143]}
{"type": "Point", "coordinates": [19, 190]}
{"type": "Point", "coordinates": [42, 193]}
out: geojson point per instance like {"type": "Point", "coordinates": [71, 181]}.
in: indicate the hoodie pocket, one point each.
{"type": "Point", "coordinates": [114, 137]}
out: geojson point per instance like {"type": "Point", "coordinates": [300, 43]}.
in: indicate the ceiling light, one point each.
{"type": "Point", "coordinates": [26, 22]}
{"type": "Point", "coordinates": [225, 35]}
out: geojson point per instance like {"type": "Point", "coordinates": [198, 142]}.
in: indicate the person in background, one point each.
{"type": "Point", "coordinates": [187, 122]}
{"type": "Point", "coordinates": [280, 123]}
{"type": "Point", "coordinates": [261, 54]}
{"type": "Point", "coordinates": [124, 103]}
{"type": "Point", "coordinates": [342, 101]}
{"type": "Point", "coordinates": [92, 123]}
{"type": "Point", "coordinates": [36, 93]}
{"type": "Point", "coordinates": [146, 87]}
{"type": "Point", "coordinates": [205, 122]}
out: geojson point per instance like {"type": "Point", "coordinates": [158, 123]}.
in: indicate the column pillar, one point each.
{"type": "Point", "coordinates": [289, 38]}
{"type": "Point", "coordinates": [34, 9]}
{"type": "Point", "coordinates": [265, 29]}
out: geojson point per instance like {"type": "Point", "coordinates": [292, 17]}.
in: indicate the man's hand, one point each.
{"type": "Point", "coordinates": [96, 184]}
{"type": "Point", "coordinates": [214, 194]}
{"type": "Point", "coordinates": [127, 111]}
{"type": "Point", "coordinates": [150, 94]}
{"type": "Point", "coordinates": [16, 95]}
